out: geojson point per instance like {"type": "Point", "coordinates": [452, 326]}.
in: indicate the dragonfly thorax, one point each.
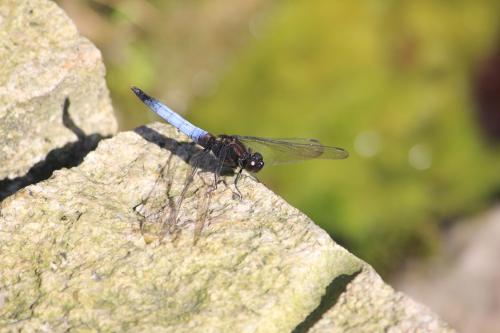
{"type": "Point", "coordinates": [233, 153]}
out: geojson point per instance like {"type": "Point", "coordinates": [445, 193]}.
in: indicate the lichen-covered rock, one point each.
{"type": "Point", "coordinates": [97, 247]}
{"type": "Point", "coordinates": [45, 67]}
{"type": "Point", "coordinates": [369, 305]}
{"type": "Point", "coordinates": [109, 245]}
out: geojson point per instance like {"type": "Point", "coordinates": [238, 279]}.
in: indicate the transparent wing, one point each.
{"type": "Point", "coordinates": [289, 150]}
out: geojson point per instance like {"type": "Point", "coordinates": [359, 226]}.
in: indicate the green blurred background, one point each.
{"type": "Point", "coordinates": [410, 88]}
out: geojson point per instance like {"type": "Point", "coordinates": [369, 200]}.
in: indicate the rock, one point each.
{"type": "Point", "coordinates": [47, 69]}
{"type": "Point", "coordinates": [128, 238]}
{"type": "Point", "coordinates": [96, 247]}
{"type": "Point", "coordinates": [462, 282]}
{"type": "Point", "coordinates": [370, 305]}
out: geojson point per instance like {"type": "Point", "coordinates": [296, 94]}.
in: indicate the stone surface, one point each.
{"type": "Point", "coordinates": [95, 247]}
{"type": "Point", "coordinates": [46, 65]}
{"type": "Point", "coordinates": [370, 305]}
{"type": "Point", "coordinates": [470, 257]}
{"type": "Point", "coordinates": [108, 245]}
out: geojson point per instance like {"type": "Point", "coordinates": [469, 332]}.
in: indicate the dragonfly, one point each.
{"type": "Point", "coordinates": [236, 152]}
{"type": "Point", "coordinates": [241, 152]}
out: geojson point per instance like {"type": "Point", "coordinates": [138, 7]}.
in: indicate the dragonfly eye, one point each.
{"type": "Point", "coordinates": [255, 163]}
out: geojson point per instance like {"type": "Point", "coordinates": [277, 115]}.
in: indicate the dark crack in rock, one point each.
{"type": "Point", "coordinates": [45, 62]}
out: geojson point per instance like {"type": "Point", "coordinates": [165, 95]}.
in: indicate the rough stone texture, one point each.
{"type": "Point", "coordinates": [369, 305]}
{"type": "Point", "coordinates": [44, 62]}
{"type": "Point", "coordinates": [104, 246]}
{"type": "Point", "coordinates": [92, 248]}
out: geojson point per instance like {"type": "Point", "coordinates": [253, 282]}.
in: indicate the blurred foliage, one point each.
{"type": "Point", "coordinates": [174, 49]}
{"type": "Point", "coordinates": [391, 81]}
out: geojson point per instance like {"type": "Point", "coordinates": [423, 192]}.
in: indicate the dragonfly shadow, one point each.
{"type": "Point", "coordinates": [70, 155]}
{"type": "Point", "coordinates": [189, 152]}
{"type": "Point", "coordinates": [167, 215]}
{"type": "Point", "coordinates": [158, 221]}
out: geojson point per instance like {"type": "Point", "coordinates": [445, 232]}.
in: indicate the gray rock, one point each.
{"type": "Point", "coordinates": [95, 247]}
{"type": "Point", "coordinates": [45, 66]}
{"type": "Point", "coordinates": [369, 305]}
{"type": "Point", "coordinates": [107, 245]}
{"type": "Point", "coordinates": [462, 281]}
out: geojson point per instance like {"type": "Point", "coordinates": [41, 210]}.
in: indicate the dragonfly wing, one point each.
{"type": "Point", "coordinates": [289, 150]}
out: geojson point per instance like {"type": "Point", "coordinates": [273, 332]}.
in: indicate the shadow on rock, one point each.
{"type": "Point", "coordinates": [329, 299]}
{"type": "Point", "coordinates": [70, 155]}
{"type": "Point", "coordinates": [189, 152]}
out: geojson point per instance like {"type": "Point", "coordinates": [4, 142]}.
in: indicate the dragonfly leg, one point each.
{"type": "Point", "coordinates": [218, 170]}
{"type": "Point", "coordinates": [238, 193]}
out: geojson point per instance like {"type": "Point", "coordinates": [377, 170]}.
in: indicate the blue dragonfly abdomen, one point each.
{"type": "Point", "coordinates": [194, 132]}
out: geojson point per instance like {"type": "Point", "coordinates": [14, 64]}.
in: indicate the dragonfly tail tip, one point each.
{"type": "Point", "coordinates": [139, 93]}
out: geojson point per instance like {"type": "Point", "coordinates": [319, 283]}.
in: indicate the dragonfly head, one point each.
{"type": "Point", "coordinates": [254, 163]}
